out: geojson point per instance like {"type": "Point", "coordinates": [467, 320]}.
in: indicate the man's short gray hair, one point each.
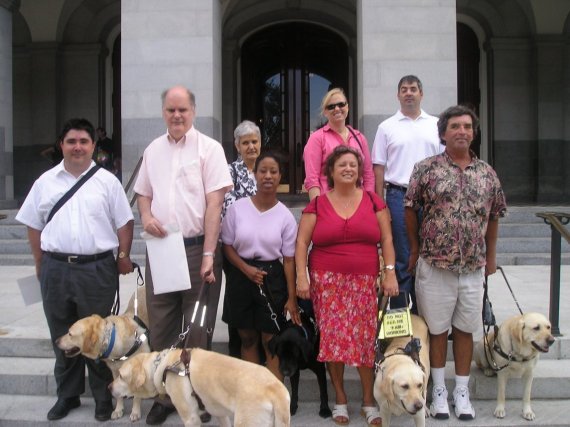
{"type": "Point", "coordinates": [191, 96]}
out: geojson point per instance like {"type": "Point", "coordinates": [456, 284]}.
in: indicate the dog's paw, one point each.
{"type": "Point", "coordinates": [528, 413]}
{"type": "Point", "coordinates": [488, 372]}
{"type": "Point", "coordinates": [325, 412]}
{"type": "Point", "coordinates": [116, 414]}
{"type": "Point", "coordinates": [293, 408]}
{"type": "Point", "coordinates": [135, 416]}
{"type": "Point", "coordinates": [500, 411]}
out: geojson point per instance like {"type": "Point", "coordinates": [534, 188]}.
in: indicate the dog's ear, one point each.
{"type": "Point", "coordinates": [272, 345]}
{"type": "Point", "coordinates": [138, 375]}
{"type": "Point", "coordinates": [92, 333]}
{"type": "Point", "coordinates": [518, 334]}
{"type": "Point", "coordinates": [306, 351]}
{"type": "Point", "coordinates": [387, 388]}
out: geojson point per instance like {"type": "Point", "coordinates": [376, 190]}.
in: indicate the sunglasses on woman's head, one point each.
{"type": "Point", "coordinates": [331, 107]}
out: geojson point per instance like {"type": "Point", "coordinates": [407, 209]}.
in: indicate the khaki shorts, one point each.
{"type": "Point", "coordinates": [446, 298]}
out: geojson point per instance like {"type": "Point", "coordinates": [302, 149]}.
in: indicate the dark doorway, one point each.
{"type": "Point", "coordinates": [286, 70]}
{"type": "Point", "coordinates": [468, 91]}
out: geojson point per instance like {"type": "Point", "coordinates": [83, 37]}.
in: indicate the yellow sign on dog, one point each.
{"type": "Point", "coordinates": [396, 323]}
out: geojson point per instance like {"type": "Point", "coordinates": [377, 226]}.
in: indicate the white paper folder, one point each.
{"type": "Point", "coordinates": [167, 259]}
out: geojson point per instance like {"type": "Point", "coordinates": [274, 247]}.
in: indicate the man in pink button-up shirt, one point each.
{"type": "Point", "coordinates": [182, 182]}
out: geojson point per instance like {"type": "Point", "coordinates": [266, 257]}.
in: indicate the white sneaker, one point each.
{"type": "Point", "coordinates": [463, 407]}
{"type": "Point", "coordinates": [439, 407]}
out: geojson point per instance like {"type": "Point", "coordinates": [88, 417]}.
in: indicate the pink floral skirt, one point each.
{"type": "Point", "coordinates": [346, 309]}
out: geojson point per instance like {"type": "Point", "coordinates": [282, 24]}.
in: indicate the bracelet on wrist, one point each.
{"type": "Point", "coordinates": [208, 254]}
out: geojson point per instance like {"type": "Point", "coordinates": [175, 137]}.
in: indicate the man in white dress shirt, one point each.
{"type": "Point", "coordinates": [73, 254]}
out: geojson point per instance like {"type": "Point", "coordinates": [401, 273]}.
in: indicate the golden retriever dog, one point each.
{"type": "Point", "coordinates": [514, 352]}
{"type": "Point", "coordinates": [226, 386]}
{"type": "Point", "coordinates": [92, 337]}
{"type": "Point", "coordinates": [400, 385]}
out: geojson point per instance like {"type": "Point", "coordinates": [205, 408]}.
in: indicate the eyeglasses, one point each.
{"type": "Point", "coordinates": [331, 107]}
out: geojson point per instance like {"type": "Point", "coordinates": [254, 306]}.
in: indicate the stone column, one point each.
{"type": "Point", "coordinates": [6, 107]}
{"type": "Point", "coordinates": [161, 47]}
{"type": "Point", "coordinates": [399, 38]}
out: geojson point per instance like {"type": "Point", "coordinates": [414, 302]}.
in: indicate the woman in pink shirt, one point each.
{"type": "Point", "coordinates": [321, 143]}
{"type": "Point", "coordinates": [345, 226]}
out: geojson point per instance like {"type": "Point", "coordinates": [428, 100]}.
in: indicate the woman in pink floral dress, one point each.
{"type": "Point", "coordinates": [345, 226]}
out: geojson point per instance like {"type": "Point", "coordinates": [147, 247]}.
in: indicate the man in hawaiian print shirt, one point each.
{"type": "Point", "coordinates": [462, 201]}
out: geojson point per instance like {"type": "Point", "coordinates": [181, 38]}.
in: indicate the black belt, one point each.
{"type": "Point", "coordinates": [396, 187]}
{"type": "Point", "coordinates": [78, 259]}
{"type": "Point", "coordinates": [193, 241]}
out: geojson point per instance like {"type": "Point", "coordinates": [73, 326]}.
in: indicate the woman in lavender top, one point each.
{"type": "Point", "coordinates": [257, 233]}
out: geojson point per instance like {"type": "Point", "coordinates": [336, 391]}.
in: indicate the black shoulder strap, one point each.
{"type": "Point", "coordinates": [72, 191]}
{"type": "Point", "coordinates": [357, 139]}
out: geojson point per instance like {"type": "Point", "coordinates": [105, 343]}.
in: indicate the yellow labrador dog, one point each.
{"type": "Point", "coordinates": [226, 386]}
{"type": "Point", "coordinates": [513, 352]}
{"type": "Point", "coordinates": [400, 385]}
{"type": "Point", "coordinates": [112, 339]}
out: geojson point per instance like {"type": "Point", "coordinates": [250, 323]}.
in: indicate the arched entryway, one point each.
{"type": "Point", "coordinates": [286, 70]}
{"type": "Point", "coordinates": [468, 88]}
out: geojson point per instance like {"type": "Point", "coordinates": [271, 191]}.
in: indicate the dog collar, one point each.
{"type": "Point", "coordinates": [510, 357]}
{"type": "Point", "coordinates": [305, 332]}
{"type": "Point", "coordinates": [111, 344]}
{"type": "Point", "coordinates": [139, 340]}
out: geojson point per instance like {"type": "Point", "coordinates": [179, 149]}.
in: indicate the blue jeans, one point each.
{"type": "Point", "coordinates": [395, 202]}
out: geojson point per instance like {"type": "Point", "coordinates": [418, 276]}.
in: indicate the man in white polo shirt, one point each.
{"type": "Point", "coordinates": [73, 253]}
{"type": "Point", "coordinates": [407, 137]}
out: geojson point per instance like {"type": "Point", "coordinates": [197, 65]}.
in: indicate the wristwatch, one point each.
{"type": "Point", "coordinates": [122, 255]}
{"type": "Point", "coordinates": [389, 267]}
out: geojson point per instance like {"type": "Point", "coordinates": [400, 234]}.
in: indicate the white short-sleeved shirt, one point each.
{"type": "Point", "coordinates": [265, 236]}
{"type": "Point", "coordinates": [87, 223]}
{"type": "Point", "coordinates": [401, 142]}
{"type": "Point", "coordinates": [178, 175]}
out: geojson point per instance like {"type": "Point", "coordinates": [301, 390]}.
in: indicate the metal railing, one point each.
{"type": "Point", "coordinates": [131, 181]}
{"type": "Point", "coordinates": [557, 222]}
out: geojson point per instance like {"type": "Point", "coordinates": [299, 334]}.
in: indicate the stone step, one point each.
{"type": "Point", "coordinates": [34, 376]}
{"type": "Point", "coordinates": [504, 245]}
{"type": "Point", "coordinates": [506, 258]}
{"type": "Point", "coordinates": [27, 259]}
{"type": "Point", "coordinates": [30, 411]}
{"type": "Point", "coordinates": [529, 258]}
{"type": "Point", "coordinates": [523, 230]}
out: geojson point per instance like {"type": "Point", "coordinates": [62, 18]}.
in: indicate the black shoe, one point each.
{"type": "Point", "coordinates": [205, 417]}
{"type": "Point", "coordinates": [62, 407]}
{"type": "Point", "coordinates": [103, 410]}
{"type": "Point", "coordinates": [158, 414]}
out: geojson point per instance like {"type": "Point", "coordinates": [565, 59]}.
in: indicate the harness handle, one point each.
{"type": "Point", "coordinates": [510, 289]}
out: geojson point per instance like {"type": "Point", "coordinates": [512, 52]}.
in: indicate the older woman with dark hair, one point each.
{"type": "Point", "coordinates": [247, 139]}
{"type": "Point", "coordinates": [347, 223]}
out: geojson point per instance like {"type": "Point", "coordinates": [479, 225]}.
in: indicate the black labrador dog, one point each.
{"type": "Point", "coordinates": [297, 348]}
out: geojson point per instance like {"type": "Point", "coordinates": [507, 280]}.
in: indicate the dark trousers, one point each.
{"type": "Point", "coordinates": [71, 292]}
{"type": "Point", "coordinates": [406, 281]}
{"type": "Point", "coordinates": [170, 313]}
